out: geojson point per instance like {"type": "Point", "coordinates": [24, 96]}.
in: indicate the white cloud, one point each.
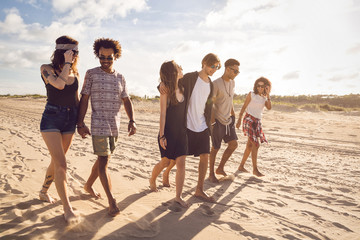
{"type": "Point", "coordinates": [95, 11]}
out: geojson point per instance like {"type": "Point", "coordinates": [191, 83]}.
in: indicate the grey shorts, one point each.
{"type": "Point", "coordinates": [221, 132]}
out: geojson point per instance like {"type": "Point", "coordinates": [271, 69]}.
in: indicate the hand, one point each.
{"type": "Point", "coordinates": [163, 143]}
{"type": "Point", "coordinates": [238, 124]}
{"type": "Point", "coordinates": [131, 128]}
{"type": "Point", "coordinates": [83, 131]}
{"type": "Point", "coordinates": [68, 55]}
{"type": "Point", "coordinates": [163, 89]}
{"type": "Point", "coordinates": [267, 91]}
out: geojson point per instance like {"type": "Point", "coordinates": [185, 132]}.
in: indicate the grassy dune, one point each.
{"type": "Point", "coordinates": [349, 102]}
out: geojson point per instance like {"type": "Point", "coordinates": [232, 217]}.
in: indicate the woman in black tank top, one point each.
{"type": "Point", "coordinates": [59, 118]}
{"type": "Point", "coordinates": [172, 137]}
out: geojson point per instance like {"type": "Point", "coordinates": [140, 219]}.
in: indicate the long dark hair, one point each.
{"type": "Point", "coordinates": [168, 76]}
{"type": "Point", "coordinates": [58, 59]}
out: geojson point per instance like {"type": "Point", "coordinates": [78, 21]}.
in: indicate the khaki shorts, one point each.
{"type": "Point", "coordinates": [103, 145]}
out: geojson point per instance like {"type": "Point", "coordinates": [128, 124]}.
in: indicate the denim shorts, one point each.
{"type": "Point", "coordinates": [58, 119]}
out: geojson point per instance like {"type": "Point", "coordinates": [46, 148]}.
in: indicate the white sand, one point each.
{"type": "Point", "coordinates": [311, 188]}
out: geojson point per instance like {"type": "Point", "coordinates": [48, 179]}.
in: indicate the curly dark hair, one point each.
{"type": "Point", "coordinates": [58, 59]}
{"type": "Point", "coordinates": [263, 80]}
{"type": "Point", "coordinates": [168, 76]}
{"type": "Point", "coordinates": [107, 43]}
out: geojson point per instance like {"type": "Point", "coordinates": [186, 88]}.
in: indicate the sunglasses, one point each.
{"type": "Point", "coordinates": [260, 86]}
{"type": "Point", "coordinates": [217, 67]}
{"type": "Point", "coordinates": [106, 58]}
{"type": "Point", "coordinates": [235, 71]}
{"type": "Point", "coordinates": [75, 52]}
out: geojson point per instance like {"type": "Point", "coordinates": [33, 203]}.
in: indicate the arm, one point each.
{"type": "Point", "coordinates": [82, 129]}
{"type": "Point", "coordinates": [130, 112]}
{"type": "Point", "coordinates": [49, 76]}
{"type": "Point", "coordinates": [268, 100]}
{"type": "Point", "coordinates": [246, 103]}
{"type": "Point", "coordinates": [163, 106]}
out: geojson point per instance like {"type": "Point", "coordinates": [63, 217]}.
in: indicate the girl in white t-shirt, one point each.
{"type": "Point", "coordinates": [254, 106]}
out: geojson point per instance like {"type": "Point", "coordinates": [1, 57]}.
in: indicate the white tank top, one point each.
{"type": "Point", "coordinates": [195, 116]}
{"type": "Point", "coordinates": [256, 105]}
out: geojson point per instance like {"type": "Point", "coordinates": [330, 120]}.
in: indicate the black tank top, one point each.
{"type": "Point", "coordinates": [65, 97]}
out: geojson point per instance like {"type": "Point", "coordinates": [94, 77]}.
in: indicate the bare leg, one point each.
{"type": "Point", "coordinates": [55, 143]}
{"type": "Point", "coordinates": [254, 152]}
{"type": "Point", "coordinates": [245, 156]}
{"type": "Point", "coordinates": [106, 183]}
{"type": "Point", "coordinates": [166, 173]}
{"type": "Point", "coordinates": [203, 165]}
{"type": "Point", "coordinates": [212, 176]}
{"type": "Point", "coordinates": [232, 145]}
{"type": "Point", "coordinates": [49, 177]}
{"type": "Point", "coordinates": [180, 177]}
{"type": "Point", "coordinates": [93, 176]}
{"type": "Point", "coordinates": [164, 162]}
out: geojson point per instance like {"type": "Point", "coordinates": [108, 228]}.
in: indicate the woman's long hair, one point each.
{"type": "Point", "coordinates": [168, 76]}
{"type": "Point", "coordinates": [58, 59]}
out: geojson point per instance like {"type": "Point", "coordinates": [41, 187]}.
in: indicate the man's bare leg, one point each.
{"type": "Point", "coordinates": [212, 176]}
{"type": "Point", "coordinates": [93, 176]}
{"type": "Point", "coordinates": [166, 182]}
{"type": "Point", "coordinates": [106, 183]}
{"type": "Point", "coordinates": [203, 165]}
{"type": "Point", "coordinates": [164, 162]}
{"type": "Point", "coordinates": [232, 145]}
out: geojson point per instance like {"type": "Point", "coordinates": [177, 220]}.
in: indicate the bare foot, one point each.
{"type": "Point", "coordinates": [204, 197]}
{"type": "Point", "coordinates": [152, 185]}
{"type": "Point", "coordinates": [44, 196]}
{"type": "Point", "coordinates": [213, 179]}
{"type": "Point", "coordinates": [221, 172]}
{"type": "Point", "coordinates": [242, 169]}
{"type": "Point", "coordinates": [182, 202]}
{"type": "Point", "coordinates": [113, 209]}
{"type": "Point", "coordinates": [92, 192]}
{"type": "Point", "coordinates": [257, 173]}
{"type": "Point", "coordinates": [165, 181]}
{"type": "Point", "coordinates": [70, 217]}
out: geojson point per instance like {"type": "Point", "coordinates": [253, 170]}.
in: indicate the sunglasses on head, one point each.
{"type": "Point", "coordinates": [106, 58]}
{"type": "Point", "coordinates": [217, 67]}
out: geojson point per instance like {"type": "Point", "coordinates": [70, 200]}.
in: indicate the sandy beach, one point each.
{"type": "Point", "coordinates": [311, 187]}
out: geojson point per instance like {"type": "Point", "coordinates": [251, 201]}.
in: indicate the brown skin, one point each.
{"type": "Point", "coordinates": [228, 75]}
{"type": "Point", "coordinates": [251, 147]}
{"type": "Point", "coordinates": [99, 168]}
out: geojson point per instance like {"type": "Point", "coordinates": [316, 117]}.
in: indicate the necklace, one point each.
{"type": "Point", "coordinates": [228, 93]}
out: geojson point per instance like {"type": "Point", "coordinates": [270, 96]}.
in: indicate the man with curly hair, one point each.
{"type": "Point", "coordinates": [107, 89]}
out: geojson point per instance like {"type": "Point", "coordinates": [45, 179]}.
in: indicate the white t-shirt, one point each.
{"type": "Point", "coordinates": [256, 105]}
{"type": "Point", "coordinates": [195, 116]}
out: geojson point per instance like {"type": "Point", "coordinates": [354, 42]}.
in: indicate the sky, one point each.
{"type": "Point", "coordinates": [304, 47]}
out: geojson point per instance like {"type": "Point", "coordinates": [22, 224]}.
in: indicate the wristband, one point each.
{"type": "Point", "coordinates": [132, 121]}
{"type": "Point", "coordinates": [67, 63]}
{"type": "Point", "coordinates": [163, 136]}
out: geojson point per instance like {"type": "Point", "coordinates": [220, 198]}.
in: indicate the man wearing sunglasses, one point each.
{"type": "Point", "coordinates": [223, 118]}
{"type": "Point", "coordinates": [108, 90]}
